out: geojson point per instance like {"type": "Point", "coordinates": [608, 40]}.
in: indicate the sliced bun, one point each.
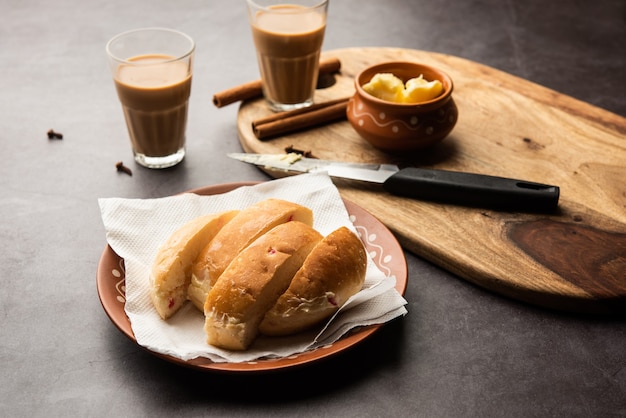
{"type": "Point", "coordinates": [332, 273]}
{"type": "Point", "coordinates": [242, 230]}
{"type": "Point", "coordinates": [253, 282]}
{"type": "Point", "coordinates": [171, 270]}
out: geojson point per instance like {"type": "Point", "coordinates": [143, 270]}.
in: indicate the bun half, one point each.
{"type": "Point", "coordinates": [170, 274]}
{"type": "Point", "coordinates": [333, 272]}
{"type": "Point", "coordinates": [243, 229]}
{"type": "Point", "coordinates": [253, 282]}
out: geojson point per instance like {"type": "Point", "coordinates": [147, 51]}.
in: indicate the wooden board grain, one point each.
{"type": "Point", "coordinates": [573, 260]}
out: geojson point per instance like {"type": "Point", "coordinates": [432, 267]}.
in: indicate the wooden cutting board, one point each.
{"type": "Point", "coordinates": [573, 260]}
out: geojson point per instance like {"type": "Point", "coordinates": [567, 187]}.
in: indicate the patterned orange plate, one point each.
{"type": "Point", "coordinates": [378, 240]}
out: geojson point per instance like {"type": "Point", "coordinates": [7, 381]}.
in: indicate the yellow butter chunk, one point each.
{"type": "Point", "coordinates": [420, 90]}
{"type": "Point", "coordinates": [385, 86]}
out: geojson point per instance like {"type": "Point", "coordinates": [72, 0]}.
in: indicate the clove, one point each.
{"type": "Point", "coordinates": [122, 168]}
{"type": "Point", "coordinates": [291, 149]}
{"type": "Point", "coordinates": [54, 135]}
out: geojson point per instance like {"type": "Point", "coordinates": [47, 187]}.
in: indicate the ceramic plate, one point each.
{"type": "Point", "coordinates": [378, 240]}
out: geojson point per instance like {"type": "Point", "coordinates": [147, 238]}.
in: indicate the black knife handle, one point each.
{"type": "Point", "coordinates": [476, 190]}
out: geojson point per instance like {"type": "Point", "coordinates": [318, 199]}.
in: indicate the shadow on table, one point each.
{"type": "Point", "coordinates": [176, 384]}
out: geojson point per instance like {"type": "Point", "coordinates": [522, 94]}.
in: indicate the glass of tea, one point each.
{"type": "Point", "coordinates": [288, 37]}
{"type": "Point", "coordinates": [152, 71]}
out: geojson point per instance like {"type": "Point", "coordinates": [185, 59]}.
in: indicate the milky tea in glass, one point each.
{"type": "Point", "coordinates": [288, 38]}
{"type": "Point", "coordinates": [152, 74]}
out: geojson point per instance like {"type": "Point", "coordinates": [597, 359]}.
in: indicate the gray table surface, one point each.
{"type": "Point", "coordinates": [461, 351]}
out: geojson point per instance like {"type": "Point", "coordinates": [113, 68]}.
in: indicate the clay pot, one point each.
{"type": "Point", "coordinates": [396, 127]}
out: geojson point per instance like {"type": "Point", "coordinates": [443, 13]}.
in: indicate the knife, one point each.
{"type": "Point", "coordinates": [467, 189]}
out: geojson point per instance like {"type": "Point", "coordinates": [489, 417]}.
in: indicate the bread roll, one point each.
{"type": "Point", "coordinates": [246, 227]}
{"type": "Point", "coordinates": [171, 270]}
{"type": "Point", "coordinates": [332, 273]}
{"type": "Point", "coordinates": [253, 282]}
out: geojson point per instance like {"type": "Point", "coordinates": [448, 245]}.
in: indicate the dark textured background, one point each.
{"type": "Point", "coordinates": [460, 351]}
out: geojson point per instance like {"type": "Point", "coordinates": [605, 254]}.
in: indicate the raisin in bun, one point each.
{"type": "Point", "coordinates": [170, 274]}
{"type": "Point", "coordinates": [333, 272]}
{"type": "Point", "coordinates": [243, 229]}
{"type": "Point", "coordinates": [253, 282]}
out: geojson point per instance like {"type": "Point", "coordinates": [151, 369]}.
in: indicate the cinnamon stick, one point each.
{"type": "Point", "coordinates": [296, 120]}
{"type": "Point", "coordinates": [254, 89]}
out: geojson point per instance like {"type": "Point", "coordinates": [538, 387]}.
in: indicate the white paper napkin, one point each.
{"type": "Point", "coordinates": [136, 227]}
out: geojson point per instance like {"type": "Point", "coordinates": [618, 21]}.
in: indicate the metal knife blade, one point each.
{"type": "Point", "coordinates": [373, 173]}
{"type": "Point", "coordinates": [427, 184]}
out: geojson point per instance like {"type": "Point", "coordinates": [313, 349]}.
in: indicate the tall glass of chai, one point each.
{"type": "Point", "coordinates": [152, 71]}
{"type": "Point", "coordinates": [288, 37]}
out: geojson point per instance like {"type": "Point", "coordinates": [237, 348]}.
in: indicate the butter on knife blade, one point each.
{"type": "Point", "coordinates": [467, 189]}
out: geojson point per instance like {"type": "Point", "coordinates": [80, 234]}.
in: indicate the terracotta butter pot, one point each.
{"type": "Point", "coordinates": [396, 127]}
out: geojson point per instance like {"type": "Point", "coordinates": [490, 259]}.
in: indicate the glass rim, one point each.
{"type": "Point", "coordinates": [320, 3]}
{"type": "Point", "coordinates": [186, 54]}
